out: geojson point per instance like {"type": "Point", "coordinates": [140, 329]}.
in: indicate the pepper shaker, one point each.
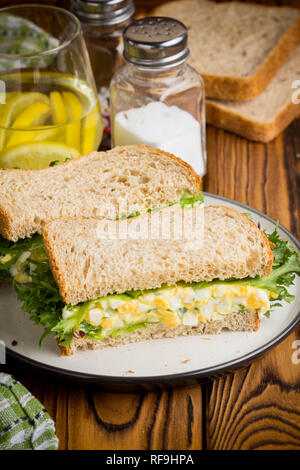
{"type": "Point", "coordinates": [102, 23]}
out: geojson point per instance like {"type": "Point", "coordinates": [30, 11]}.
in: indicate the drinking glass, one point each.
{"type": "Point", "coordinates": [49, 108]}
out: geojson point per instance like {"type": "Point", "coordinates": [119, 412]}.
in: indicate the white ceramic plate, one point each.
{"type": "Point", "coordinates": [152, 361]}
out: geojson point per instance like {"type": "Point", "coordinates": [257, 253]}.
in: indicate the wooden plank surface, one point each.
{"type": "Point", "coordinates": [256, 408]}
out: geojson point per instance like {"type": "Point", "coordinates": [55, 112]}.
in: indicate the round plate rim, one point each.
{"type": "Point", "coordinates": [181, 376]}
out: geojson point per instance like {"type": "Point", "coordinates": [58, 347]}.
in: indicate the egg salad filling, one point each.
{"type": "Point", "coordinates": [170, 306]}
{"type": "Point", "coordinates": [20, 259]}
{"type": "Point", "coordinates": [24, 267]}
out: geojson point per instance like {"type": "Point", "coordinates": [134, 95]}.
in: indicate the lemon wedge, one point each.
{"type": "Point", "coordinates": [15, 104]}
{"type": "Point", "coordinates": [92, 125]}
{"type": "Point", "coordinates": [34, 115]}
{"type": "Point", "coordinates": [36, 155]}
{"type": "Point", "coordinates": [49, 133]}
{"type": "Point", "coordinates": [74, 113]}
{"type": "Point", "coordinates": [43, 133]}
{"type": "Point", "coordinates": [59, 109]}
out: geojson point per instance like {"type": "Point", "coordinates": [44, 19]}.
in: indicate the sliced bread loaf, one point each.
{"type": "Point", "coordinates": [87, 266]}
{"type": "Point", "coordinates": [236, 47]}
{"type": "Point", "coordinates": [264, 117]}
{"type": "Point", "coordinates": [109, 184]}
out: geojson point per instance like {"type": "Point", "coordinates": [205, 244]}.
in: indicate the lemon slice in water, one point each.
{"type": "Point", "coordinates": [59, 112]}
{"type": "Point", "coordinates": [35, 115]}
{"type": "Point", "coordinates": [74, 112]}
{"type": "Point", "coordinates": [36, 155]}
{"type": "Point", "coordinates": [16, 103]}
{"type": "Point", "coordinates": [43, 133]}
{"type": "Point", "coordinates": [91, 127]}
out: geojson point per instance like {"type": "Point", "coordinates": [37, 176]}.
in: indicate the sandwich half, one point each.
{"type": "Point", "coordinates": [119, 183]}
{"type": "Point", "coordinates": [124, 181]}
{"type": "Point", "coordinates": [92, 289]}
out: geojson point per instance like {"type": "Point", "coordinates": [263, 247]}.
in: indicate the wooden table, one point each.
{"type": "Point", "coordinates": [255, 408]}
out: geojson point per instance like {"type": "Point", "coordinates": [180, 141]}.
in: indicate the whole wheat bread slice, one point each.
{"type": "Point", "coordinates": [263, 118]}
{"type": "Point", "coordinates": [236, 47]}
{"type": "Point", "coordinates": [86, 266]}
{"type": "Point", "coordinates": [246, 321]}
{"type": "Point", "coordinates": [109, 184]}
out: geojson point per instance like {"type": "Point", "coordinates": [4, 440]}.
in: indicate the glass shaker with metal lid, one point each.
{"type": "Point", "coordinates": [157, 99]}
{"type": "Point", "coordinates": [103, 22]}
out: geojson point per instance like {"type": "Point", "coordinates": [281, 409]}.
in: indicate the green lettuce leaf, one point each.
{"type": "Point", "coordinates": [41, 299]}
{"type": "Point", "coordinates": [191, 200]}
{"type": "Point", "coordinates": [96, 332]}
{"type": "Point", "coordinates": [286, 265]}
{"type": "Point", "coordinates": [67, 325]}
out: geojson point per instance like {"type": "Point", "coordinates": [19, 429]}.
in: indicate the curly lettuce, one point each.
{"type": "Point", "coordinates": [188, 200]}
{"type": "Point", "coordinates": [41, 298]}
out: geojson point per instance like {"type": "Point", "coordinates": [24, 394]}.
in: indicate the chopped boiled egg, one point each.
{"type": "Point", "coordinates": [115, 303]}
{"type": "Point", "coordinates": [17, 270]}
{"type": "Point", "coordinates": [190, 319]}
{"type": "Point", "coordinates": [113, 322]}
{"type": "Point", "coordinates": [95, 316]}
{"type": "Point", "coordinates": [67, 313]}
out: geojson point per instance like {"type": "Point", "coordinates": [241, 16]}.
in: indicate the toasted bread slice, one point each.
{"type": "Point", "coordinates": [236, 47]}
{"type": "Point", "coordinates": [110, 184]}
{"type": "Point", "coordinates": [87, 265]}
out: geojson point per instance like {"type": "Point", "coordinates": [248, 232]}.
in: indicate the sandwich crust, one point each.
{"type": "Point", "coordinates": [225, 118]}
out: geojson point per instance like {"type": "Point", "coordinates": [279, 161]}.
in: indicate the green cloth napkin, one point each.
{"type": "Point", "coordinates": [21, 36]}
{"type": "Point", "coordinates": [24, 422]}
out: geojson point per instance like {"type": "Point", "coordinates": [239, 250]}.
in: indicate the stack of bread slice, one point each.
{"type": "Point", "coordinates": [249, 58]}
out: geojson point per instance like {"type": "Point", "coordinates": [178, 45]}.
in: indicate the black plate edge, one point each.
{"type": "Point", "coordinates": [196, 376]}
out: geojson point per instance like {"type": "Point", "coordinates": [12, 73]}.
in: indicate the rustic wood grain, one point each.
{"type": "Point", "coordinates": [257, 408]}
{"type": "Point", "coordinates": [134, 421]}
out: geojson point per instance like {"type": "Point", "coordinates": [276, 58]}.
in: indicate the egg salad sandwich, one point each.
{"type": "Point", "coordinates": [94, 289]}
{"type": "Point", "coordinates": [119, 183]}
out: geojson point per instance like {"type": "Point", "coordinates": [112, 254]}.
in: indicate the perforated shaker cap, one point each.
{"type": "Point", "coordinates": [156, 41]}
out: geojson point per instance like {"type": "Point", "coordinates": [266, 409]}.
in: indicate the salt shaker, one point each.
{"type": "Point", "coordinates": [102, 23]}
{"type": "Point", "coordinates": [157, 99]}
